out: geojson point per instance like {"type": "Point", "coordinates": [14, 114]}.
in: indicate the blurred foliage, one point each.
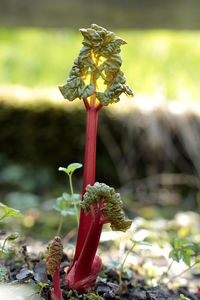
{"type": "Point", "coordinates": [39, 136]}
{"type": "Point", "coordinates": [170, 253]}
{"type": "Point", "coordinates": [49, 135]}
{"type": "Point", "coordinates": [37, 204]}
{"type": "Point", "coordinates": [152, 59]}
{"type": "Point", "coordinates": [181, 14]}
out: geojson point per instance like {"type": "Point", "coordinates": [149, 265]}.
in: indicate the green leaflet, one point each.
{"type": "Point", "coordinates": [97, 68]}
{"type": "Point", "coordinates": [113, 209]}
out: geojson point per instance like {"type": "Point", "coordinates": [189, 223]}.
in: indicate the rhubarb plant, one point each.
{"type": "Point", "coordinates": [95, 78]}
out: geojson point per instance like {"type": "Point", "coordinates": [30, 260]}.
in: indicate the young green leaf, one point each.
{"type": "Point", "coordinates": [42, 284]}
{"type": "Point", "coordinates": [93, 296]}
{"type": "Point", "coordinates": [60, 204]}
{"type": "Point", "coordinates": [186, 259]}
{"type": "Point", "coordinates": [64, 170]}
{"type": "Point", "coordinates": [128, 273]}
{"type": "Point", "coordinates": [8, 211]}
{"type": "Point", "coordinates": [182, 250]}
{"type": "Point", "coordinates": [63, 204]}
{"type": "Point", "coordinates": [12, 236]}
{"type": "Point", "coordinates": [77, 198]}
{"type": "Point", "coordinates": [66, 197]}
{"type": "Point", "coordinates": [182, 297]}
{"type": "Point", "coordinates": [70, 168]}
{"type": "Point", "coordinates": [74, 166]}
{"type": "Point", "coordinates": [174, 255]}
{"type": "Point", "coordinates": [68, 212]}
{"type": "Point", "coordinates": [114, 264]}
{"type": "Point", "coordinates": [3, 274]}
{"type": "Point", "coordinates": [180, 244]}
{"type": "Point", "coordinates": [73, 198]}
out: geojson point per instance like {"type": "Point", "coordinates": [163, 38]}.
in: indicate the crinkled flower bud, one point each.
{"type": "Point", "coordinates": [96, 71]}
{"type": "Point", "coordinates": [112, 211]}
{"type": "Point", "coordinates": [55, 255]}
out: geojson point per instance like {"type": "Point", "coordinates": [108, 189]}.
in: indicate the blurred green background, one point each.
{"type": "Point", "coordinates": [152, 59]}
{"type": "Point", "coordinates": [148, 148]}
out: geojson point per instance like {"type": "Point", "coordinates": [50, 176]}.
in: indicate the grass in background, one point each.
{"type": "Point", "coordinates": [164, 59]}
{"type": "Point", "coordinates": [152, 59]}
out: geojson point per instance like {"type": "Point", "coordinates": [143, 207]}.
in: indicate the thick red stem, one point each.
{"type": "Point", "coordinates": [85, 261]}
{"type": "Point", "coordinates": [56, 292]}
{"type": "Point", "coordinates": [89, 171]}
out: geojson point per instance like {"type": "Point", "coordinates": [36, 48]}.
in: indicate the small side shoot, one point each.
{"type": "Point", "coordinates": [105, 206]}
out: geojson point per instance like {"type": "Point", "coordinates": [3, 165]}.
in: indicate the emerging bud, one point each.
{"type": "Point", "coordinates": [55, 255]}
{"type": "Point", "coordinates": [112, 205]}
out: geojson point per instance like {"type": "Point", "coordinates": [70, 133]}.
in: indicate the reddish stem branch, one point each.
{"type": "Point", "coordinates": [98, 107]}
{"type": "Point", "coordinates": [85, 100]}
{"type": "Point", "coordinates": [56, 292]}
{"type": "Point", "coordinates": [85, 261]}
{"type": "Point", "coordinates": [86, 269]}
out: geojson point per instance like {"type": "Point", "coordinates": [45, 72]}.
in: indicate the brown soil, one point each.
{"type": "Point", "coordinates": [32, 270]}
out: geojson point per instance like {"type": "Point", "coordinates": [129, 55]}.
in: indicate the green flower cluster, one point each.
{"type": "Point", "coordinates": [113, 210]}
{"type": "Point", "coordinates": [98, 59]}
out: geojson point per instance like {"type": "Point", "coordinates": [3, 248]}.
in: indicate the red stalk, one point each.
{"type": "Point", "coordinates": [89, 170]}
{"type": "Point", "coordinates": [89, 250]}
{"type": "Point", "coordinates": [86, 266]}
{"type": "Point", "coordinates": [56, 293]}
{"type": "Point", "coordinates": [86, 269]}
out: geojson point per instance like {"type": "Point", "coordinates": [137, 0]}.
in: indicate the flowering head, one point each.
{"type": "Point", "coordinates": [96, 72]}
{"type": "Point", "coordinates": [104, 198]}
